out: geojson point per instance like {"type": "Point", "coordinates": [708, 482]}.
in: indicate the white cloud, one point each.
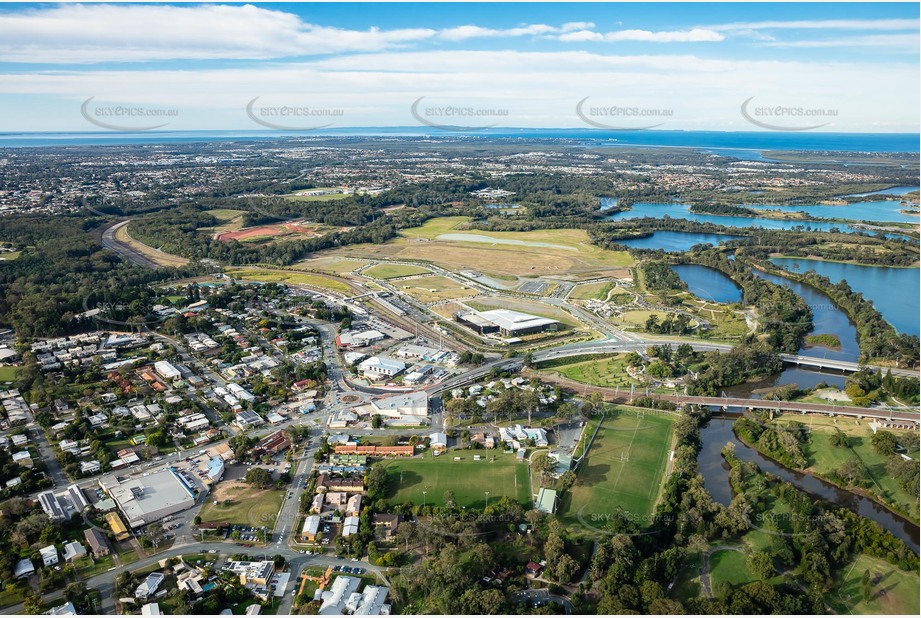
{"type": "Point", "coordinates": [100, 33]}
{"type": "Point", "coordinates": [577, 25]}
{"type": "Point", "coordinates": [906, 42]}
{"type": "Point", "coordinates": [377, 89]}
{"type": "Point", "coordinates": [823, 24]}
{"type": "Point", "coordinates": [461, 33]}
{"type": "Point", "coordinates": [695, 35]}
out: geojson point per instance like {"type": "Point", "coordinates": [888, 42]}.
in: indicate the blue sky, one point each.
{"type": "Point", "coordinates": [833, 66]}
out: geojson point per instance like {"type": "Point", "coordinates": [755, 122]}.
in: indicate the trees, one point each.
{"type": "Point", "coordinates": [376, 482]}
{"type": "Point", "coordinates": [884, 442]}
{"type": "Point", "coordinates": [541, 465]}
{"type": "Point", "coordinates": [258, 477]}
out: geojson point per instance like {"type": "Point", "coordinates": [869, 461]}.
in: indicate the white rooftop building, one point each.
{"type": "Point", "coordinates": [403, 409]}
{"type": "Point", "coordinates": [378, 367]}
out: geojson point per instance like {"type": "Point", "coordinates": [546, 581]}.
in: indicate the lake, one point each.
{"type": "Point", "coordinates": [708, 284]}
{"type": "Point", "coordinates": [895, 292]}
{"type": "Point", "coordinates": [901, 190]}
{"type": "Point", "coordinates": [877, 211]}
{"type": "Point", "coordinates": [826, 317]}
{"type": "Point", "coordinates": [672, 242]}
{"type": "Point", "coordinates": [714, 436]}
{"type": "Point", "coordinates": [677, 210]}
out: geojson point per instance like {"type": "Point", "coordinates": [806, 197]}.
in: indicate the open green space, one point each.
{"type": "Point", "coordinates": [624, 469]}
{"type": "Point", "coordinates": [9, 256]}
{"type": "Point", "coordinates": [448, 242]}
{"type": "Point", "coordinates": [610, 371]}
{"type": "Point", "coordinates": [500, 474]}
{"type": "Point", "coordinates": [8, 373]}
{"type": "Point", "coordinates": [891, 590]}
{"type": "Point", "coordinates": [315, 198]}
{"type": "Point", "coordinates": [730, 567]}
{"type": "Point", "coordinates": [246, 506]}
{"type": "Point", "coordinates": [391, 271]}
{"type": "Point", "coordinates": [332, 265]}
{"type": "Point", "coordinates": [11, 594]}
{"type": "Point", "coordinates": [289, 277]}
{"type": "Point", "coordinates": [589, 291]}
{"type": "Point", "coordinates": [225, 214]}
{"type": "Point", "coordinates": [825, 458]}
{"type": "Point", "coordinates": [434, 289]}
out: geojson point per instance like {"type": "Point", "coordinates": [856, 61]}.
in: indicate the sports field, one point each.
{"type": "Point", "coordinates": [625, 468]}
{"type": "Point", "coordinates": [242, 504]}
{"type": "Point", "coordinates": [433, 289]}
{"type": "Point", "coordinates": [289, 277]}
{"type": "Point", "coordinates": [391, 271]}
{"type": "Point", "coordinates": [446, 241]}
{"type": "Point", "coordinates": [891, 591]}
{"type": "Point", "coordinates": [498, 473]}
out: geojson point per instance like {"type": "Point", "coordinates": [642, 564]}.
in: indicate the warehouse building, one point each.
{"type": "Point", "coordinates": [506, 322]}
{"type": "Point", "coordinates": [150, 498]}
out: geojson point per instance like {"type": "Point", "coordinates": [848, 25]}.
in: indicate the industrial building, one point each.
{"type": "Point", "coordinates": [404, 409]}
{"type": "Point", "coordinates": [380, 367]}
{"type": "Point", "coordinates": [506, 322]}
{"type": "Point", "coordinates": [149, 498]}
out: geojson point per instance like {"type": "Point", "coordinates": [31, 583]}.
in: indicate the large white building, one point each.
{"type": "Point", "coordinates": [507, 322]}
{"type": "Point", "coordinates": [150, 498]}
{"type": "Point", "coordinates": [380, 367]}
{"type": "Point", "coordinates": [166, 370]}
{"type": "Point", "coordinates": [403, 409]}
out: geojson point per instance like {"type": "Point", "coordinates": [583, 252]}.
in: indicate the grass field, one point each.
{"type": "Point", "coordinates": [244, 505]}
{"type": "Point", "coordinates": [391, 271]}
{"type": "Point", "coordinates": [8, 373]}
{"type": "Point", "coordinates": [9, 256]}
{"type": "Point", "coordinates": [729, 566]}
{"type": "Point", "coordinates": [230, 220]}
{"type": "Point", "coordinates": [624, 468]}
{"type": "Point", "coordinates": [610, 371]}
{"type": "Point", "coordinates": [589, 291]}
{"type": "Point", "coordinates": [468, 479]}
{"type": "Point", "coordinates": [825, 458]}
{"type": "Point", "coordinates": [896, 591]}
{"type": "Point", "coordinates": [433, 289]}
{"type": "Point", "coordinates": [157, 257]}
{"type": "Point", "coordinates": [332, 265]}
{"type": "Point", "coordinates": [315, 198]}
{"type": "Point", "coordinates": [540, 252]}
{"type": "Point", "coordinates": [289, 277]}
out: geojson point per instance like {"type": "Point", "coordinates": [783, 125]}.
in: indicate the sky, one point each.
{"type": "Point", "coordinates": [844, 67]}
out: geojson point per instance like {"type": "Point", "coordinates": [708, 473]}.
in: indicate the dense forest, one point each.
{"type": "Point", "coordinates": [62, 273]}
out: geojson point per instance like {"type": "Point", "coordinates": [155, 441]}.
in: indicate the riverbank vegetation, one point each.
{"type": "Point", "coordinates": [855, 457]}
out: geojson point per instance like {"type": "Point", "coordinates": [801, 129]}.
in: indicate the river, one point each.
{"type": "Point", "coordinates": [715, 471]}
{"type": "Point", "coordinates": [826, 317]}
{"type": "Point", "coordinates": [895, 292]}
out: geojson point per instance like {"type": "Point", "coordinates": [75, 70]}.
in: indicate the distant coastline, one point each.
{"type": "Point", "coordinates": [717, 141]}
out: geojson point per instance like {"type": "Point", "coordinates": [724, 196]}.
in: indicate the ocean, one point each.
{"type": "Point", "coordinates": [742, 144]}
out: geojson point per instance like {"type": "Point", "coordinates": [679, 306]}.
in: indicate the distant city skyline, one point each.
{"type": "Point", "coordinates": [839, 67]}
